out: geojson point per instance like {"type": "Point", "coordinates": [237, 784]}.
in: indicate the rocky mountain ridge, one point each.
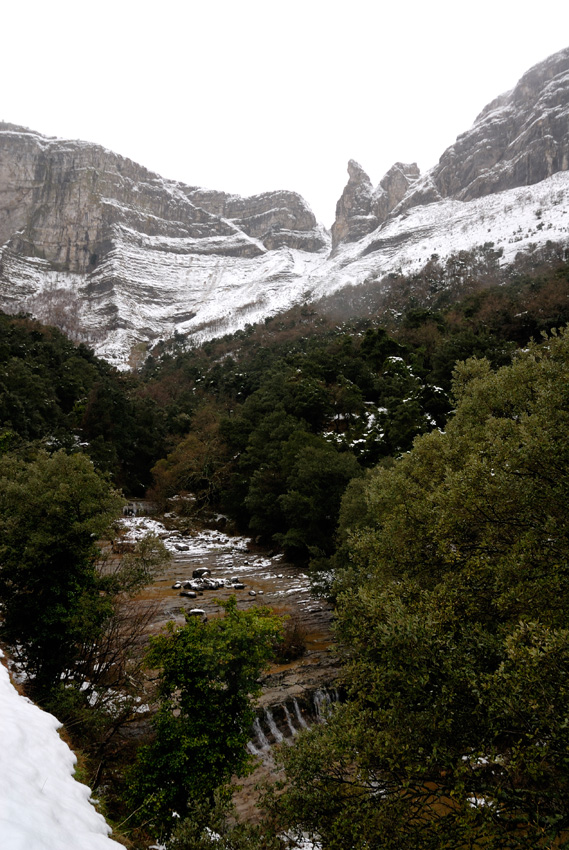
{"type": "Point", "coordinates": [135, 257]}
{"type": "Point", "coordinates": [362, 209]}
{"type": "Point", "coordinates": [519, 139]}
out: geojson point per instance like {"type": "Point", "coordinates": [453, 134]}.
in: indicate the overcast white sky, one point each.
{"type": "Point", "coordinates": [256, 95]}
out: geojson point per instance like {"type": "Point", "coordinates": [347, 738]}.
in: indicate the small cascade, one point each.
{"type": "Point", "coordinates": [282, 722]}
{"type": "Point", "coordinates": [299, 716]}
{"type": "Point", "coordinates": [261, 737]}
{"type": "Point", "coordinates": [275, 731]}
{"type": "Point", "coordinates": [290, 725]}
{"type": "Point", "coordinates": [322, 704]}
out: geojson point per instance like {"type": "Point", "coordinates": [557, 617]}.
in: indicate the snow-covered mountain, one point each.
{"type": "Point", "coordinates": [129, 257]}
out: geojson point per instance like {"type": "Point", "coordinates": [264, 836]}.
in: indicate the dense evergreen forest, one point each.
{"type": "Point", "coordinates": [419, 463]}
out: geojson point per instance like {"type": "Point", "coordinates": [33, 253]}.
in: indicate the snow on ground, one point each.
{"type": "Point", "coordinates": [42, 807]}
{"type": "Point", "coordinates": [201, 542]}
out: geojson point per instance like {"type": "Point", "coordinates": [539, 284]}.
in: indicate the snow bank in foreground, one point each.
{"type": "Point", "coordinates": [41, 806]}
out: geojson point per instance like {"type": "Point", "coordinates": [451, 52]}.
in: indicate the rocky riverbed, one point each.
{"type": "Point", "coordinates": [238, 568]}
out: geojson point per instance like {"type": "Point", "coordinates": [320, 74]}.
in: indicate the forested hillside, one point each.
{"type": "Point", "coordinates": [452, 589]}
{"type": "Point", "coordinates": [62, 396]}
{"type": "Point", "coordinates": [270, 424]}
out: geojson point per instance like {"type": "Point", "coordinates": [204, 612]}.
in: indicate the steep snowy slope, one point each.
{"type": "Point", "coordinates": [156, 290]}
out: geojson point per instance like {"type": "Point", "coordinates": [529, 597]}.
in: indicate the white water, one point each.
{"type": "Point", "coordinates": [322, 703]}
{"type": "Point", "coordinates": [293, 731]}
{"type": "Point", "coordinates": [301, 719]}
{"type": "Point", "coordinates": [275, 731]}
{"type": "Point", "coordinates": [261, 737]}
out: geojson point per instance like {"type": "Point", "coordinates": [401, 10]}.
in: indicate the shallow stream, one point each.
{"type": "Point", "coordinates": [267, 579]}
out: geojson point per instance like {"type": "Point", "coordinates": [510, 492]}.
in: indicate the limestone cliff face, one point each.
{"type": "Point", "coordinates": [138, 255]}
{"type": "Point", "coordinates": [393, 187]}
{"type": "Point", "coordinates": [277, 219]}
{"type": "Point", "coordinates": [519, 139]}
{"type": "Point", "coordinates": [354, 216]}
{"type": "Point", "coordinates": [64, 200]}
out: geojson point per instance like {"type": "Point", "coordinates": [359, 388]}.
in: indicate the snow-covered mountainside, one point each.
{"type": "Point", "coordinates": [43, 807]}
{"type": "Point", "coordinates": [130, 258]}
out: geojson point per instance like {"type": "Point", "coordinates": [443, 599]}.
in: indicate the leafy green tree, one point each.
{"type": "Point", "coordinates": [307, 398]}
{"type": "Point", "coordinates": [296, 487]}
{"type": "Point", "coordinates": [347, 399]}
{"type": "Point", "coordinates": [197, 465]}
{"type": "Point", "coordinates": [61, 394]}
{"type": "Point", "coordinates": [463, 344]}
{"type": "Point", "coordinates": [43, 375]}
{"type": "Point", "coordinates": [68, 613]}
{"type": "Point", "coordinates": [123, 434]}
{"type": "Point", "coordinates": [208, 673]}
{"type": "Point", "coordinates": [453, 618]}
{"type": "Point", "coordinates": [377, 346]}
{"type": "Point", "coordinates": [403, 418]}
{"type": "Point", "coordinates": [61, 601]}
{"type": "Point", "coordinates": [316, 475]}
{"type": "Point", "coordinates": [262, 462]}
{"type": "Point", "coordinates": [54, 510]}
